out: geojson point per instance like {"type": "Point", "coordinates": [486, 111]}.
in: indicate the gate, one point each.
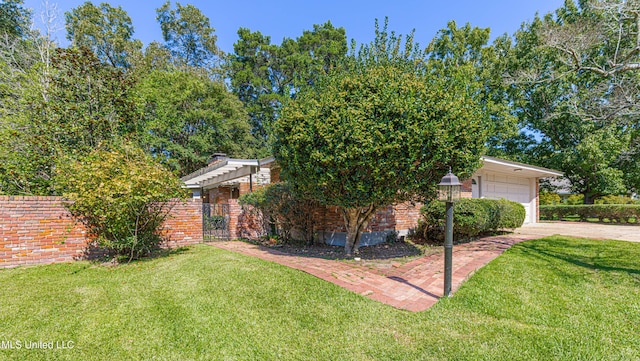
{"type": "Point", "coordinates": [215, 222]}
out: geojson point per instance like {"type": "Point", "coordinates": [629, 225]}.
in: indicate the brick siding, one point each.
{"type": "Point", "coordinates": [39, 230]}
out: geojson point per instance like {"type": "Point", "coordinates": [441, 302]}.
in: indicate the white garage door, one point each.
{"type": "Point", "coordinates": [517, 189]}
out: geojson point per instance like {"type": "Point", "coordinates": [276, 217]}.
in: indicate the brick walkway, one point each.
{"type": "Point", "coordinates": [414, 286]}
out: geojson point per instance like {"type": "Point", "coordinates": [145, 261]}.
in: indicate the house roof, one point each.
{"type": "Point", "coordinates": [521, 169]}
{"type": "Point", "coordinates": [229, 171]}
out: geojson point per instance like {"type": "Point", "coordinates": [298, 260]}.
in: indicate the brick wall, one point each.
{"type": "Point", "coordinates": [183, 226]}
{"type": "Point", "coordinates": [39, 230]}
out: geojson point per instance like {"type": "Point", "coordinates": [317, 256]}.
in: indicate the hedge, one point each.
{"type": "Point", "coordinates": [472, 217]}
{"type": "Point", "coordinates": [617, 213]}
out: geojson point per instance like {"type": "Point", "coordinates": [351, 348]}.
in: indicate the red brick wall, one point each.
{"type": "Point", "coordinates": [39, 230]}
{"type": "Point", "coordinates": [243, 223]}
{"type": "Point", "coordinates": [466, 190]}
{"type": "Point", "coordinates": [183, 226]}
{"type": "Point", "coordinates": [398, 217]}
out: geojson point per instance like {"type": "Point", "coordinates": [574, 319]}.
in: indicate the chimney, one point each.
{"type": "Point", "coordinates": [217, 158]}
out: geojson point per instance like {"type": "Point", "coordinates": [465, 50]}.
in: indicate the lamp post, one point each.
{"type": "Point", "coordinates": [448, 191]}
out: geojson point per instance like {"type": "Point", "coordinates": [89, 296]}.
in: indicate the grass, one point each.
{"type": "Point", "coordinates": [556, 298]}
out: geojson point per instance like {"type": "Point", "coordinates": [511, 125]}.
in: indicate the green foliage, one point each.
{"type": "Point", "coordinates": [106, 30]}
{"type": "Point", "coordinates": [575, 199]}
{"type": "Point", "coordinates": [382, 129]}
{"type": "Point", "coordinates": [189, 117]}
{"type": "Point", "coordinates": [83, 104]}
{"type": "Point", "coordinates": [264, 75]}
{"type": "Point", "coordinates": [188, 34]}
{"type": "Point", "coordinates": [616, 200]}
{"type": "Point", "coordinates": [456, 46]}
{"type": "Point", "coordinates": [121, 196]}
{"type": "Point", "coordinates": [472, 217]}
{"type": "Point", "coordinates": [615, 213]}
{"type": "Point", "coordinates": [14, 18]}
{"type": "Point", "coordinates": [286, 213]}
{"type": "Point", "coordinates": [549, 198]}
{"type": "Point", "coordinates": [574, 82]}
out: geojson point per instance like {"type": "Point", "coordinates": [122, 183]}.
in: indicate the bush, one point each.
{"type": "Point", "coordinates": [616, 213]}
{"type": "Point", "coordinates": [472, 217]}
{"type": "Point", "coordinates": [575, 199]}
{"type": "Point", "coordinates": [286, 214]}
{"type": "Point", "coordinates": [616, 200]}
{"type": "Point", "coordinates": [121, 197]}
{"type": "Point", "coordinates": [549, 198]}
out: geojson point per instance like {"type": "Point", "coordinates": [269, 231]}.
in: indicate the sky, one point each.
{"type": "Point", "coordinates": [289, 18]}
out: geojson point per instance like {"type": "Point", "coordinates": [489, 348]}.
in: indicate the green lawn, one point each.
{"type": "Point", "coordinates": [556, 298]}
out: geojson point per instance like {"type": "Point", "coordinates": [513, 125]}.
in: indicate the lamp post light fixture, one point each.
{"type": "Point", "coordinates": [448, 191]}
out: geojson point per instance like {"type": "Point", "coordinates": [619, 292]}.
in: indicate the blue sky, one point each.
{"type": "Point", "coordinates": [288, 18]}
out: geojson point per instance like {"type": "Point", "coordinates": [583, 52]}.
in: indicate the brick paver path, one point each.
{"type": "Point", "coordinates": [414, 286]}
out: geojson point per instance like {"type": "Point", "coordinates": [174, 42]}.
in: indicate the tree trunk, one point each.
{"type": "Point", "coordinates": [355, 221]}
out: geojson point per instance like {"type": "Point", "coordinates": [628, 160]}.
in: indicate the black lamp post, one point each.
{"type": "Point", "coordinates": [448, 191]}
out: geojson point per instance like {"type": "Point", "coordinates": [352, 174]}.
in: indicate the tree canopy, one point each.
{"type": "Point", "coordinates": [188, 34]}
{"type": "Point", "coordinates": [106, 30]}
{"type": "Point", "coordinates": [14, 18]}
{"type": "Point", "coordinates": [189, 117]}
{"type": "Point", "coordinates": [383, 128]}
{"type": "Point", "coordinates": [264, 75]}
{"type": "Point", "coordinates": [576, 83]}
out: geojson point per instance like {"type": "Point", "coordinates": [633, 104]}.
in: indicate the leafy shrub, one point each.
{"type": "Point", "coordinates": [575, 199]}
{"type": "Point", "coordinates": [549, 198]}
{"type": "Point", "coordinates": [120, 196]}
{"type": "Point", "coordinates": [286, 214]}
{"type": "Point", "coordinates": [616, 200]}
{"type": "Point", "coordinates": [617, 213]}
{"type": "Point", "coordinates": [472, 217]}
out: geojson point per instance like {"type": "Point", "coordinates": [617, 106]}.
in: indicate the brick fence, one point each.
{"type": "Point", "coordinates": [39, 230]}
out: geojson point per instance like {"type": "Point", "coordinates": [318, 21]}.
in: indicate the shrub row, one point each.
{"type": "Point", "coordinates": [472, 217]}
{"type": "Point", "coordinates": [619, 213]}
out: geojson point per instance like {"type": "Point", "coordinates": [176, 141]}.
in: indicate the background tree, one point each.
{"type": "Point", "coordinates": [189, 36]}
{"type": "Point", "coordinates": [89, 105]}
{"type": "Point", "coordinates": [383, 129]}
{"type": "Point", "coordinates": [264, 75]}
{"type": "Point", "coordinates": [14, 18]}
{"type": "Point", "coordinates": [189, 117]}
{"type": "Point", "coordinates": [106, 30]}
{"type": "Point", "coordinates": [455, 46]}
{"type": "Point", "coordinates": [577, 89]}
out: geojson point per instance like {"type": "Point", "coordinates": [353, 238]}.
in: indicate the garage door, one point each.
{"type": "Point", "coordinates": [517, 189]}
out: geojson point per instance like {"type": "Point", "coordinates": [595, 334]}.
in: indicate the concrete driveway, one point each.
{"type": "Point", "coordinates": [623, 232]}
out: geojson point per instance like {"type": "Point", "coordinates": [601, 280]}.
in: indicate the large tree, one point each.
{"type": "Point", "coordinates": [106, 30]}
{"type": "Point", "coordinates": [89, 104]}
{"type": "Point", "coordinates": [455, 46]}
{"type": "Point", "coordinates": [382, 129]}
{"type": "Point", "coordinates": [264, 75]}
{"type": "Point", "coordinates": [189, 36]}
{"type": "Point", "coordinates": [576, 87]}
{"type": "Point", "coordinates": [14, 18]}
{"type": "Point", "coordinates": [189, 116]}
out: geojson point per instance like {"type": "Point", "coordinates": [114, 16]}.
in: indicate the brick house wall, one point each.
{"type": "Point", "coordinates": [40, 230]}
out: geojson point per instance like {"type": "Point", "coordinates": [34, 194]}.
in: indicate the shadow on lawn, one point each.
{"type": "Point", "coordinates": [587, 254]}
{"type": "Point", "coordinates": [103, 257]}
